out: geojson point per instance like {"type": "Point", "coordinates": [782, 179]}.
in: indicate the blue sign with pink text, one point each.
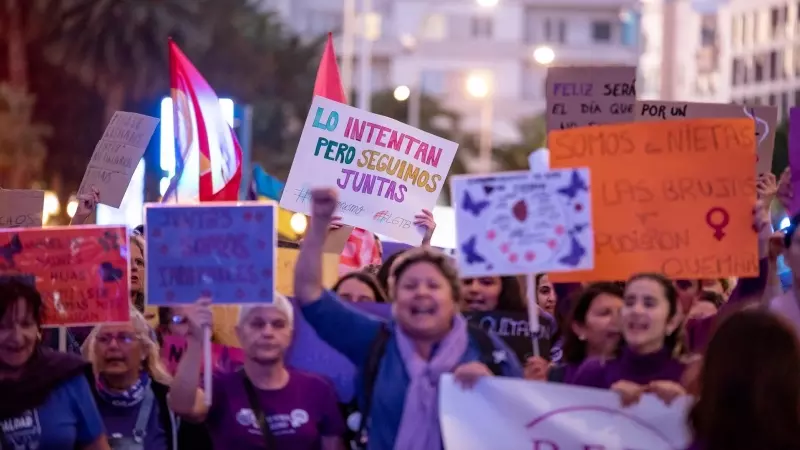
{"type": "Point", "coordinates": [223, 251]}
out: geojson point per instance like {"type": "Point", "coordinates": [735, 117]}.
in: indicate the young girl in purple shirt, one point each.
{"type": "Point", "coordinates": [649, 322]}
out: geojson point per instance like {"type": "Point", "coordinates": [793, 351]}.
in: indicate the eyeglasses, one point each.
{"type": "Point", "coordinates": [121, 338]}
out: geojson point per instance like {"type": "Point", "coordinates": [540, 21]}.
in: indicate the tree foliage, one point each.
{"type": "Point", "coordinates": [22, 140]}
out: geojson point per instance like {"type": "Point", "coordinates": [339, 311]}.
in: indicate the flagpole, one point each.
{"type": "Point", "coordinates": [348, 44]}
{"type": "Point", "coordinates": [365, 59]}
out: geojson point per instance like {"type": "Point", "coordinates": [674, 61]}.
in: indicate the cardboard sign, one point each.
{"type": "Point", "coordinates": [385, 170]}
{"type": "Point", "coordinates": [80, 272]}
{"type": "Point", "coordinates": [116, 156]}
{"type": "Point", "coordinates": [583, 96]}
{"type": "Point", "coordinates": [287, 258]}
{"type": "Point", "coordinates": [224, 359]}
{"type": "Point", "coordinates": [514, 329]}
{"type": "Point", "coordinates": [674, 197]}
{"type": "Point", "coordinates": [225, 251]}
{"type": "Point", "coordinates": [765, 117]}
{"type": "Point", "coordinates": [523, 222]}
{"type": "Point", "coordinates": [21, 208]}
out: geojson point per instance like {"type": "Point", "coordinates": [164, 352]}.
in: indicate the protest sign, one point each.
{"type": "Point", "coordinates": [225, 251]}
{"type": "Point", "coordinates": [674, 197]}
{"type": "Point", "coordinates": [523, 222]}
{"type": "Point", "coordinates": [765, 117]}
{"type": "Point", "coordinates": [385, 170]}
{"type": "Point", "coordinates": [582, 96]}
{"type": "Point", "coordinates": [794, 158]}
{"type": "Point", "coordinates": [310, 353]}
{"type": "Point", "coordinates": [80, 272]}
{"type": "Point", "coordinates": [514, 329]}
{"type": "Point", "coordinates": [116, 156]}
{"type": "Point", "coordinates": [224, 359]}
{"type": "Point", "coordinates": [21, 208]}
{"type": "Point", "coordinates": [505, 413]}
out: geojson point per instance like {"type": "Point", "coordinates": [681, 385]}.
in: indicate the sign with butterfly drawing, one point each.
{"type": "Point", "coordinates": [80, 272]}
{"type": "Point", "coordinates": [522, 222]}
{"type": "Point", "coordinates": [224, 250]}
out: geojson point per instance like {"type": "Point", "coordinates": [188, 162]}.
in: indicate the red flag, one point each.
{"type": "Point", "coordinates": [207, 153]}
{"type": "Point", "coordinates": [361, 248]}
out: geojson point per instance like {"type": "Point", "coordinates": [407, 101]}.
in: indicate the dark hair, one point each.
{"type": "Point", "coordinates": [510, 297]}
{"type": "Point", "coordinates": [671, 341]}
{"type": "Point", "coordinates": [139, 231]}
{"type": "Point", "coordinates": [751, 405]}
{"type": "Point", "coordinates": [366, 278]}
{"type": "Point", "coordinates": [15, 288]}
{"type": "Point", "coordinates": [383, 272]}
{"type": "Point", "coordinates": [575, 349]}
{"type": "Point", "coordinates": [435, 257]}
{"type": "Point", "coordinates": [711, 297]}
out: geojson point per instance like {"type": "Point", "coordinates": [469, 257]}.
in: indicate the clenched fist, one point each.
{"type": "Point", "coordinates": [323, 203]}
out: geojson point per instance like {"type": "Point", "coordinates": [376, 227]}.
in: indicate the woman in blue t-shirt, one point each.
{"type": "Point", "coordinates": [47, 401]}
{"type": "Point", "coordinates": [427, 338]}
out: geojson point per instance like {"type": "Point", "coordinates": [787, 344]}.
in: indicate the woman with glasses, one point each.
{"type": "Point", "coordinates": [132, 385]}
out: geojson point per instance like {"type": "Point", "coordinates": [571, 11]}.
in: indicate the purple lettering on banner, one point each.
{"type": "Point", "coordinates": [223, 252]}
{"type": "Point", "coordinates": [794, 158]}
{"type": "Point", "coordinates": [310, 353]}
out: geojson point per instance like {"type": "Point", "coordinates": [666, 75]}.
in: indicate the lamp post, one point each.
{"type": "Point", "coordinates": [544, 55]}
{"type": "Point", "coordinates": [479, 86]}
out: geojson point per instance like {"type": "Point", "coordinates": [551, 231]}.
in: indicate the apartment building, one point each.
{"type": "Point", "coordinates": [435, 45]}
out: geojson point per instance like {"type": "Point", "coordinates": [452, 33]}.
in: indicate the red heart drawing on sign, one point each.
{"type": "Point", "coordinates": [504, 248]}
{"type": "Point", "coordinates": [164, 249]}
{"type": "Point", "coordinates": [552, 243]}
{"type": "Point", "coordinates": [259, 217]}
{"type": "Point", "coordinates": [240, 293]}
{"type": "Point", "coordinates": [513, 257]}
{"type": "Point", "coordinates": [156, 233]}
{"type": "Point", "coordinates": [520, 210]}
{"type": "Point", "coordinates": [247, 216]}
{"type": "Point", "coordinates": [267, 273]}
{"type": "Point", "coordinates": [530, 256]}
{"type": "Point", "coordinates": [559, 230]}
{"type": "Point", "coordinates": [490, 235]}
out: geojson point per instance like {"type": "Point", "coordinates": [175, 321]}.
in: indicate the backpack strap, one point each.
{"type": "Point", "coordinates": [371, 369]}
{"type": "Point", "coordinates": [487, 348]}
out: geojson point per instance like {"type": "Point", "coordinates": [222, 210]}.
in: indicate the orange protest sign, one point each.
{"type": "Point", "coordinates": [674, 197]}
{"type": "Point", "coordinates": [81, 272]}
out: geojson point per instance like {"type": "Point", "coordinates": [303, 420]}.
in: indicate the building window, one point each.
{"type": "Point", "coordinates": [531, 22]}
{"type": "Point", "coordinates": [773, 65]}
{"type": "Point", "coordinates": [601, 31]}
{"type": "Point", "coordinates": [433, 27]}
{"type": "Point", "coordinates": [482, 27]}
{"type": "Point", "coordinates": [785, 104]}
{"type": "Point", "coordinates": [548, 30]}
{"type": "Point", "coordinates": [759, 75]}
{"type": "Point", "coordinates": [736, 67]}
{"type": "Point", "coordinates": [772, 100]}
{"type": "Point", "coordinates": [562, 32]}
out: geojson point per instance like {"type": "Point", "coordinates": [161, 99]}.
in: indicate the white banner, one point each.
{"type": "Point", "coordinates": [385, 170]}
{"type": "Point", "coordinates": [511, 414]}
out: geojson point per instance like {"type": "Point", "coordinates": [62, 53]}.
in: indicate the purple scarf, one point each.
{"type": "Point", "coordinates": [419, 427]}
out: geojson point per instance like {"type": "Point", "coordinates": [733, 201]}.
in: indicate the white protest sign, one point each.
{"type": "Point", "coordinates": [21, 208]}
{"type": "Point", "coordinates": [539, 160]}
{"type": "Point", "coordinates": [514, 223]}
{"type": "Point", "coordinates": [385, 170]}
{"type": "Point", "coordinates": [116, 156]}
{"type": "Point", "coordinates": [506, 413]}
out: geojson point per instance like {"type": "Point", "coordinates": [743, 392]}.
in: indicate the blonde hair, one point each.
{"type": "Point", "coordinates": [152, 363]}
{"type": "Point", "coordinates": [279, 302]}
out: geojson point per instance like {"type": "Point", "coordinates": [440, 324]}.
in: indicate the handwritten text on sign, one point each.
{"type": "Point", "coordinates": [21, 208]}
{"type": "Point", "coordinates": [674, 197]}
{"type": "Point", "coordinates": [224, 359]}
{"type": "Point", "coordinates": [81, 272]}
{"type": "Point", "coordinates": [523, 222]}
{"type": "Point", "coordinates": [221, 251]}
{"type": "Point", "coordinates": [582, 96]}
{"type": "Point", "coordinates": [385, 170]}
{"type": "Point", "coordinates": [116, 156]}
{"type": "Point", "coordinates": [765, 118]}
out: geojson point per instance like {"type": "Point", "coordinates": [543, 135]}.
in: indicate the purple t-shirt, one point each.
{"type": "Point", "coordinates": [121, 421]}
{"type": "Point", "coordinates": [640, 369]}
{"type": "Point", "coordinates": [299, 414]}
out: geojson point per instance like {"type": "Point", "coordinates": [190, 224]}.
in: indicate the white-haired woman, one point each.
{"type": "Point", "coordinates": [132, 386]}
{"type": "Point", "coordinates": [265, 405]}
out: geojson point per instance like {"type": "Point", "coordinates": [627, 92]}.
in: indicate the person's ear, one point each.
{"type": "Point", "coordinates": [579, 330]}
{"type": "Point", "coordinates": [674, 323]}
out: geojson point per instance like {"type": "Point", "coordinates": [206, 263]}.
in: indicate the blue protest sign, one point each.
{"type": "Point", "coordinates": [224, 251]}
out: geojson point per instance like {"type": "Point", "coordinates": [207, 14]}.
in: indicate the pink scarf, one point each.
{"type": "Point", "coordinates": [419, 427]}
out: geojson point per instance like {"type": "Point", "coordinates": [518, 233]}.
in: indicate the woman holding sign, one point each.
{"type": "Point", "coordinates": [401, 361]}
{"type": "Point", "coordinates": [266, 405]}
{"type": "Point", "coordinates": [46, 397]}
{"type": "Point", "coordinates": [132, 385]}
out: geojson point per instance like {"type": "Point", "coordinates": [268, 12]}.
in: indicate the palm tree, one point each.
{"type": "Point", "coordinates": [22, 146]}
{"type": "Point", "coordinates": [533, 136]}
{"type": "Point", "coordinates": [119, 47]}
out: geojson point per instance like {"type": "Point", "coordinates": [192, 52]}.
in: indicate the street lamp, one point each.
{"type": "Point", "coordinates": [401, 93]}
{"type": "Point", "coordinates": [51, 206]}
{"type": "Point", "coordinates": [544, 55]}
{"type": "Point", "coordinates": [488, 3]}
{"type": "Point", "coordinates": [479, 86]}
{"type": "Point", "coordinates": [298, 223]}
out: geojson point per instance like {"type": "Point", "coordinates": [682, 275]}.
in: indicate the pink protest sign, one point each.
{"type": "Point", "coordinates": [224, 359]}
{"type": "Point", "coordinates": [794, 158]}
